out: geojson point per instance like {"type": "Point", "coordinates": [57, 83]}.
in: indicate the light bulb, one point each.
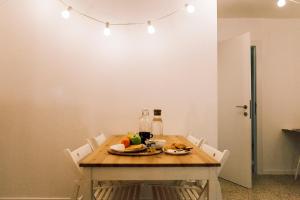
{"type": "Point", "coordinates": [66, 13]}
{"type": "Point", "coordinates": [106, 31]}
{"type": "Point", "coordinates": [281, 3]}
{"type": "Point", "coordinates": [151, 29]}
{"type": "Point", "coordinates": [190, 8]}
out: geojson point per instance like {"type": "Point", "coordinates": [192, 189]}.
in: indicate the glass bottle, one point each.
{"type": "Point", "coordinates": [157, 124]}
{"type": "Point", "coordinates": [145, 123]}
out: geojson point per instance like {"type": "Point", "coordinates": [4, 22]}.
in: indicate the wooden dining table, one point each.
{"type": "Point", "coordinates": [197, 165]}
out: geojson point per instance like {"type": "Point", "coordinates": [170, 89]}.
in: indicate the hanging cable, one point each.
{"type": "Point", "coordinates": [294, 1]}
{"type": "Point", "coordinates": [77, 11]}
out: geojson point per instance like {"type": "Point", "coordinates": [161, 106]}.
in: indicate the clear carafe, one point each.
{"type": "Point", "coordinates": [157, 124]}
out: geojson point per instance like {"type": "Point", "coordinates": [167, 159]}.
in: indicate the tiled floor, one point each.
{"type": "Point", "coordinates": [264, 188]}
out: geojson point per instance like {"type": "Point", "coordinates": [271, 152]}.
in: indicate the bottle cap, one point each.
{"type": "Point", "coordinates": [157, 112]}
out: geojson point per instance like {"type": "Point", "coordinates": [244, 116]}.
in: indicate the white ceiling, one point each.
{"type": "Point", "coordinates": [256, 9]}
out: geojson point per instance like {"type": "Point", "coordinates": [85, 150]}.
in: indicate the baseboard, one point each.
{"type": "Point", "coordinates": [278, 172]}
{"type": "Point", "coordinates": [35, 198]}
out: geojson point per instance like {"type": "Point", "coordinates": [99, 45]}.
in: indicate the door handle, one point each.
{"type": "Point", "coordinates": [244, 107]}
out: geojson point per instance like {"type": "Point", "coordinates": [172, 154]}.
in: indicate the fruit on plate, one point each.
{"type": "Point", "coordinates": [130, 134]}
{"type": "Point", "coordinates": [136, 139]}
{"type": "Point", "coordinates": [125, 141]}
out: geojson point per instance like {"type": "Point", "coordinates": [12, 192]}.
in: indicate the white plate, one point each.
{"type": "Point", "coordinates": [177, 152]}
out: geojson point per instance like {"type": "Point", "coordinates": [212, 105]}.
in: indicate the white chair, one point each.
{"type": "Point", "coordinates": [297, 169]}
{"type": "Point", "coordinates": [101, 191]}
{"type": "Point", "coordinates": [220, 156]}
{"type": "Point", "coordinates": [195, 141]}
{"type": "Point", "coordinates": [191, 192]}
{"type": "Point", "coordinates": [96, 141]}
{"type": "Point", "coordinates": [74, 157]}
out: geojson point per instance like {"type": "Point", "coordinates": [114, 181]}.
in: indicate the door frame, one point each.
{"type": "Point", "coordinates": [259, 136]}
{"type": "Point", "coordinates": [253, 113]}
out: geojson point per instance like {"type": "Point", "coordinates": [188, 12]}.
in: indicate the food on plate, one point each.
{"type": "Point", "coordinates": [125, 141]}
{"type": "Point", "coordinates": [151, 149]}
{"type": "Point", "coordinates": [135, 147]}
{"type": "Point", "coordinates": [131, 142]}
{"type": "Point", "coordinates": [158, 144]}
{"type": "Point", "coordinates": [130, 148]}
{"type": "Point", "coordinates": [118, 147]}
{"type": "Point", "coordinates": [136, 139]}
{"type": "Point", "coordinates": [177, 146]}
{"type": "Point", "coordinates": [180, 146]}
{"type": "Point", "coordinates": [131, 139]}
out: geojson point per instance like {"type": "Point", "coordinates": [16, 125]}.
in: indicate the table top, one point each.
{"type": "Point", "coordinates": [101, 158]}
{"type": "Point", "coordinates": [294, 131]}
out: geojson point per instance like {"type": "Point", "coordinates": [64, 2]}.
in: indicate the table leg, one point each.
{"type": "Point", "coordinates": [213, 186]}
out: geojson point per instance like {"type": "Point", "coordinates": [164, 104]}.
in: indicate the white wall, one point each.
{"type": "Point", "coordinates": [63, 81]}
{"type": "Point", "coordinates": [278, 46]}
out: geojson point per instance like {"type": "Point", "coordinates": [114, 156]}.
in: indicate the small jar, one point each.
{"type": "Point", "coordinates": [157, 124]}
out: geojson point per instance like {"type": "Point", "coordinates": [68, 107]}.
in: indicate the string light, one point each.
{"type": "Point", "coordinates": [282, 3]}
{"type": "Point", "coordinates": [151, 29]}
{"type": "Point", "coordinates": [106, 31]}
{"type": "Point", "coordinates": [190, 8]}
{"type": "Point", "coordinates": [66, 13]}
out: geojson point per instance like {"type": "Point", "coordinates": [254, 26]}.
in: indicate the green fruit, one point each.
{"type": "Point", "coordinates": [136, 139]}
{"type": "Point", "coordinates": [130, 135]}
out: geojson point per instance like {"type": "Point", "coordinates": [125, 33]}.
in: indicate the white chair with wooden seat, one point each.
{"type": "Point", "coordinates": [96, 141]}
{"type": "Point", "coordinates": [195, 192]}
{"type": "Point", "coordinates": [102, 192]}
{"type": "Point", "coordinates": [195, 141]}
{"type": "Point", "coordinates": [74, 157]}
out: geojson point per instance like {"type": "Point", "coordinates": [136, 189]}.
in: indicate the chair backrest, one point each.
{"type": "Point", "coordinates": [216, 154]}
{"type": "Point", "coordinates": [96, 141]}
{"type": "Point", "coordinates": [197, 142]}
{"type": "Point", "coordinates": [78, 154]}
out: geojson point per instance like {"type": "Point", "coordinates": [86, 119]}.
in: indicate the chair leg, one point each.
{"type": "Point", "coordinates": [76, 190]}
{"type": "Point", "coordinates": [297, 170]}
{"type": "Point", "coordinates": [204, 193]}
{"type": "Point", "coordinates": [219, 195]}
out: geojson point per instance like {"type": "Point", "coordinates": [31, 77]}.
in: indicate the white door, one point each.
{"type": "Point", "coordinates": [234, 82]}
